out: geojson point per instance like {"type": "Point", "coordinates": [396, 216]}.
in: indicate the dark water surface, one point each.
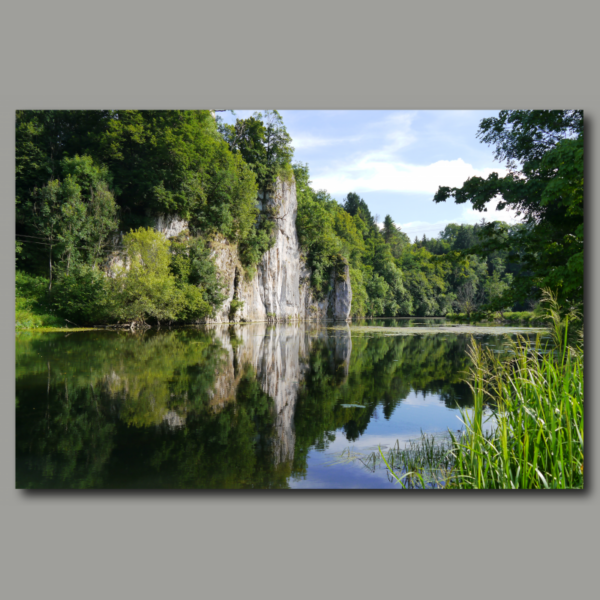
{"type": "Point", "coordinates": [247, 406]}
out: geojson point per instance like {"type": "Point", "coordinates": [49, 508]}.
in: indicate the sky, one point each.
{"type": "Point", "coordinates": [394, 160]}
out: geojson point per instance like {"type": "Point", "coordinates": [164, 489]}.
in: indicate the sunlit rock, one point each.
{"type": "Point", "coordinates": [171, 225]}
{"type": "Point", "coordinates": [280, 288]}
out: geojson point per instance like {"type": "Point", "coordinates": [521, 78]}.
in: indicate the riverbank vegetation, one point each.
{"type": "Point", "coordinates": [92, 185]}
{"type": "Point", "coordinates": [533, 435]}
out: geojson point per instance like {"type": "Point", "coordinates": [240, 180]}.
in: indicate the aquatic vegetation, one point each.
{"type": "Point", "coordinates": [423, 463]}
{"type": "Point", "coordinates": [538, 440]}
{"type": "Point", "coordinates": [537, 405]}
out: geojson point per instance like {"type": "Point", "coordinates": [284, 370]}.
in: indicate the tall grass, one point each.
{"type": "Point", "coordinates": [536, 394]}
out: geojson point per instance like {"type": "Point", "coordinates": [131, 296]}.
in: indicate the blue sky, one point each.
{"type": "Point", "coordinates": [395, 160]}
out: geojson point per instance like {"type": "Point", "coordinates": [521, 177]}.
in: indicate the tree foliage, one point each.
{"type": "Point", "coordinates": [265, 145]}
{"type": "Point", "coordinates": [145, 286]}
{"type": "Point", "coordinates": [74, 215]}
{"type": "Point", "coordinates": [543, 151]}
{"type": "Point", "coordinates": [85, 176]}
{"type": "Point", "coordinates": [158, 162]}
{"type": "Point", "coordinates": [333, 236]}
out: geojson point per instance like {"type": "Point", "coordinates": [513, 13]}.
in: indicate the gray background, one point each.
{"type": "Point", "coordinates": [295, 55]}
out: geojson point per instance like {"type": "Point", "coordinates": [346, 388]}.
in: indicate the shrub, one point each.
{"type": "Point", "coordinates": [32, 305]}
{"type": "Point", "coordinates": [83, 295]}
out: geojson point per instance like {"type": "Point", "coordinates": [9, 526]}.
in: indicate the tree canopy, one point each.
{"type": "Point", "coordinates": [543, 151]}
{"type": "Point", "coordinates": [92, 184]}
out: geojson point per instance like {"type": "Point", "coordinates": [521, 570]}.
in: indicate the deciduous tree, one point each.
{"type": "Point", "coordinates": [543, 151]}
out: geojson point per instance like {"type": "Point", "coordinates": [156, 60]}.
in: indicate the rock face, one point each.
{"type": "Point", "coordinates": [342, 296]}
{"type": "Point", "coordinates": [171, 225]}
{"type": "Point", "coordinates": [280, 289]}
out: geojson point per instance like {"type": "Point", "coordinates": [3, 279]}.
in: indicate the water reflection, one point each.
{"type": "Point", "coordinates": [218, 407]}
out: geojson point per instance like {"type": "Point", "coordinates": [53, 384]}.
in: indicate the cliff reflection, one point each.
{"type": "Point", "coordinates": [218, 407]}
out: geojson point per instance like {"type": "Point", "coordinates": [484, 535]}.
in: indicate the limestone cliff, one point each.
{"type": "Point", "coordinates": [280, 289]}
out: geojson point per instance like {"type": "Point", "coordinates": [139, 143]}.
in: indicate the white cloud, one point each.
{"type": "Point", "coordinates": [384, 167]}
{"type": "Point", "coordinates": [378, 171]}
{"type": "Point", "coordinates": [469, 216]}
{"type": "Point", "coordinates": [472, 216]}
{"type": "Point", "coordinates": [394, 130]}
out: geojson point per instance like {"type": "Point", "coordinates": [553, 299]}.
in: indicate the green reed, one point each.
{"type": "Point", "coordinates": [536, 395]}
{"type": "Point", "coordinates": [423, 463]}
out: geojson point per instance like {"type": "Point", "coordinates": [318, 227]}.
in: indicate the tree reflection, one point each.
{"type": "Point", "coordinates": [382, 370]}
{"type": "Point", "coordinates": [211, 408]}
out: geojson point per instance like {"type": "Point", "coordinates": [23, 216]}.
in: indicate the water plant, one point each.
{"type": "Point", "coordinates": [536, 396]}
{"type": "Point", "coordinates": [422, 463]}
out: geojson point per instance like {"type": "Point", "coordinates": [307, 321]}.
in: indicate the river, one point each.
{"type": "Point", "coordinates": [247, 406]}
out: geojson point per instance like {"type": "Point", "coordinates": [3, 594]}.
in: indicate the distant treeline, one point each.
{"type": "Point", "coordinates": [85, 176]}
{"type": "Point", "coordinates": [467, 268]}
{"type": "Point", "coordinates": [390, 275]}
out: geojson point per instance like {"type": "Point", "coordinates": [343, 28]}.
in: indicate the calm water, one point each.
{"type": "Point", "coordinates": [250, 406]}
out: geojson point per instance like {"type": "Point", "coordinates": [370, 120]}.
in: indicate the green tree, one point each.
{"type": "Point", "coordinates": [355, 205]}
{"type": "Point", "coordinates": [57, 214]}
{"type": "Point", "coordinates": [168, 161]}
{"type": "Point", "coordinates": [83, 295]}
{"type": "Point", "coordinates": [394, 237]}
{"type": "Point", "coordinates": [426, 282]}
{"type": "Point", "coordinates": [193, 267]}
{"type": "Point", "coordinates": [99, 223]}
{"type": "Point", "coordinates": [265, 145]}
{"type": "Point", "coordinates": [333, 236]}
{"type": "Point", "coordinates": [316, 226]}
{"type": "Point", "coordinates": [144, 286]}
{"type": "Point", "coordinates": [74, 215]}
{"type": "Point", "coordinates": [496, 288]}
{"type": "Point", "coordinates": [543, 151]}
{"type": "Point", "coordinates": [154, 163]}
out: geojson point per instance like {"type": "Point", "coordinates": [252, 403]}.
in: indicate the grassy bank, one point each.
{"type": "Point", "coordinates": [536, 442]}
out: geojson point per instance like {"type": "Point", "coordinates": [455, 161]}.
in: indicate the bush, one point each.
{"type": "Point", "coordinates": [192, 265]}
{"type": "Point", "coordinates": [234, 307]}
{"type": "Point", "coordinates": [83, 295]}
{"type": "Point", "coordinates": [147, 288]}
{"type": "Point", "coordinates": [192, 305]}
